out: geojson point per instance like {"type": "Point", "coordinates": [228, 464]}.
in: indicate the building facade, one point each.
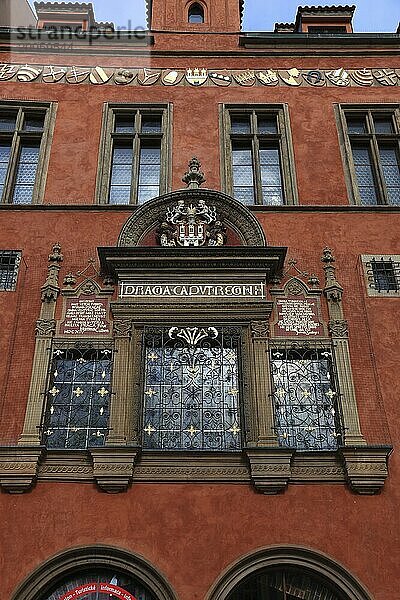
{"type": "Point", "coordinates": [200, 289]}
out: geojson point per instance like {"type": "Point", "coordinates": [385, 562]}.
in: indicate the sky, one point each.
{"type": "Point", "coordinates": [261, 15]}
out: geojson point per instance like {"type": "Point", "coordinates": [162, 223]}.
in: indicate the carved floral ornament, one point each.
{"type": "Point", "coordinates": [197, 76]}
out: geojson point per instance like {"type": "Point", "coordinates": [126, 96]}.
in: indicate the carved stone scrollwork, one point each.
{"type": "Point", "coordinates": [113, 468]}
{"type": "Point", "coordinates": [339, 328]}
{"type": "Point", "coordinates": [19, 468]}
{"type": "Point", "coordinates": [122, 327]}
{"type": "Point", "coordinates": [366, 467]}
{"type": "Point", "coordinates": [295, 288]}
{"type": "Point", "coordinates": [270, 469]}
{"type": "Point", "coordinates": [45, 327]}
{"type": "Point", "coordinates": [260, 329]}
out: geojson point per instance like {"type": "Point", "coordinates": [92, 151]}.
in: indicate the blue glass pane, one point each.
{"type": "Point", "coordinates": [272, 196]}
{"type": "Point", "coordinates": [122, 156]}
{"type": "Point", "coordinates": [7, 123]}
{"type": "Point", "coordinates": [242, 175]}
{"type": "Point", "coordinates": [149, 174]}
{"type": "Point", "coordinates": [147, 192]}
{"type": "Point", "coordinates": [368, 196]}
{"type": "Point", "coordinates": [240, 124]}
{"type": "Point", "coordinates": [151, 124]}
{"type": "Point", "coordinates": [120, 195]}
{"type": "Point", "coordinates": [241, 157]}
{"type": "Point", "coordinates": [356, 125]}
{"type": "Point", "coordinates": [5, 149]}
{"type": "Point", "coordinates": [383, 125]}
{"type": "Point", "coordinates": [150, 156]}
{"type": "Point", "coordinates": [361, 156]}
{"type": "Point", "coordinates": [121, 174]}
{"type": "Point", "coordinates": [267, 125]}
{"type": "Point", "coordinates": [388, 156]}
{"type": "Point", "coordinates": [23, 194]}
{"type": "Point", "coordinates": [29, 154]}
{"type": "Point", "coordinates": [3, 173]}
{"type": "Point", "coordinates": [393, 196]}
{"type": "Point", "coordinates": [26, 173]}
{"type": "Point", "coordinates": [271, 175]}
{"type": "Point", "coordinates": [364, 175]}
{"type": "Point", "coordinates": [269, 156]}
{"type": "Point", "coordinates": [125, 124]}
{"type": "Point", "coordinates": [244, 194]}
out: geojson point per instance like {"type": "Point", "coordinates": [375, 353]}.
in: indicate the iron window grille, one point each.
{"type": "Point", "coordinates": [372, 140]}
{"type": "Point", "coordinates": [383, 275]}
{"type": "Point", "coordinates": [306, 396]}
{"type": "Point", "coordinates": [259, 158]}
{"type": "Point", "coordinates": [283, 585]}
{"type": "Point", "coordinates": [22, 134]}
{"type": "Point", "coordinates": [133, 162]}
{"type": "Point", "coordinates": [78, 395]}
{"type": "Point", "coordinates": [191, 391]}
{"type": "Point", "coordinates": [10, 261]}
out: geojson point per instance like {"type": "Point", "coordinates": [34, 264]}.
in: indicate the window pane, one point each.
{"type": "Point", "coordinates": [361, 156]}
{"type": "Point", "coordinates": [150, 156]}
{"type": "Point", "coordinates": [149, 174]}
{"type": "Point", "coordinates": [151, 124]}
{"type": "Point", "coordinates": [267, 125]}
{"type": "Point", "coordinates": [356, 125]}
{"type": "Point", "coordinates": [240, 124]}
{"type": "Point", "coordinates": [5, 150]}
{"type": "Point", "coordinates": [272, 196]}
{"type": "Point", "coordinates": [241, 156]}
{"type": "Point", "coordinates": [34, 123]}
{"type": "Point", "coordinates": [383, 125]}
{"type": "Point", "coordinates": [123, 155]}
{"type": "Point", "coordinates": [244, 194]}
{"type": "Point", "coordinates": [121, 175]}
{"type": "Point", "coordinates": [191, 390]}
{"type": "Point", "coordinates": [147, 192]}
{"type": "Point", "coordinates": [384, 276]}
{"type": "Point", "coordinates": [124, 124]}
{"type": "Point", "coordinates": [26, 174]}
{"type": "Point", "coordinates": [7, 122]}
{"type": "Point", "coordinates": [364, 175]}
{"type": "Point", "coordinates": [78, 398]}
{"type": "Point", "coordinates": [242, 175]}
{"type": "Point", "coordinates": [120, 195]}
{"type": "Point", "coordinates": [269, 156]}
{"type": "Point", "coordinates": [305, 399]}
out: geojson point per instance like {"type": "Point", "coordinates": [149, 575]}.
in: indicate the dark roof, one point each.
{"type": "Point", "coordinates": [149, 4]}
{"type": "Point", "coordinates": [284, 27]}
{"type": "Point", "coordinates": [319, 10]}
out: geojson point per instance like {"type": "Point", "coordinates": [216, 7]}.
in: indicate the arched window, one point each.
{"type": "Point", "coordinates": [196, 13]}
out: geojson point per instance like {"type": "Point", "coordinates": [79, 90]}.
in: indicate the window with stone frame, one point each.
{"type": "Point", "coordinates": [134, 155]}
{"type": "Point", "coordinates": [382, 274]}
{"type": "Point", "coordinates": [78, 395]}
{"type": "Point", "coordinates": [25, 131]}
{"type": "Point", "coordinates": [10, 261]}
{"type": "Point", "coordinates": [258, 155]}
{"type": "Point", "coordinates": [191, 389]}
{"type": "Point", "coordinates": [371, 144]}
{"type": "Point", "coordinates": [306, 396]}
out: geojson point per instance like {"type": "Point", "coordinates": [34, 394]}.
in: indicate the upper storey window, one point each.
{"type": "Point", "coordinates": [23, 136]}
{"type": "Point", "coordinates": [258, 155]}
{"type": "Point", "coordinates": [133, 167]}
{"type": "Point", "coordinates": [196, 13]}
{"type": "Point", "coordinates": [373, 159]}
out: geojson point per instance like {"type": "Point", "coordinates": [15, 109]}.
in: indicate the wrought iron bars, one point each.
{"type": "Point", "coordinates": [305, 396]}
{"type": "Point", "coordinates": [9, 265]}
{"type": "Point", "coordinates": [191, 389]}
{"type": "Point", "coordinates": [78, 396]}
{"type": "Point", "coordinates": [384, 275]}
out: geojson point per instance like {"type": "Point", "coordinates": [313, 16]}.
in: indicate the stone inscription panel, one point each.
{"type": "Point", "coordinates": [193, 290]}
{"type": "Point", "coordinates": [298, 317]}
{"type": "Point", "coordinates": [86, 315]}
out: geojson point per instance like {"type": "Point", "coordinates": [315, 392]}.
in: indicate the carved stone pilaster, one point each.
{"type": "Point", "coordinates": [122, 328]}
{"type": "Point", "coordinates": [339, 328]}
{"type": "Point", "coordinates": [45, 327]}
{"type": "Point", "coordinates": [366, 467]}
{"type": "Point", "coordinates": [113, 467]}
{"type": "Point", "coordinates": [270, 469]}
{"type": "Point", "coordinates": [260, 329]}
{"type": "Point", "coordinates": [19, 468]}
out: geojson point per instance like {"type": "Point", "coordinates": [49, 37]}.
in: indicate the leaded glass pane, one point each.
{"type": "Point", "coordinates": [7, 122]}
{"type": "Point", "coordinates": [120, 194]}
{"type": "Point", "coordinates": [151, 124]}
{"type": "Point", "coordinates": [34, 123]}
{"type": "Point", "coordinates": [123, 155]}
{"type": "Point", "coordinates": [78, 397]}
{"type": "Point", "coordinates": [361, 156]}
{"type": "Point", "coordinates": [5, 149]}
{"type": "Point", "coordinates": [244, 194]}
{"type": "Point", "coordinates": [9, 265]}
{"type": "Point", "coordinates": [269, 156]}
{"type": "Point", "coordinates": [305, 398]}
{"type": "Point", "coordinates": [124, 124]}
{"type": "Point", "coordinates": [241, 156]}
{"type": "Point", "coordinates": [242, 175]}
{"type": "Point", "coordinates": [356, 125]}
{"type": "Point", "coordinates": [147, 192]}
{"type": "Point", "coordinates": [26, 174]}
{"type": "Point", "coordinates": [191, 389]}
{"type": "Point", "coordinates": [267, 125]}
{"type": "Point", "coordinates": [365, 175]}
{"type": "Point", "coordinates": [121, 174]}
{"type": "Point", "coordinates": [385, 275]}
{"type": "Point", "coordinates": [149, 174]}
{"type": "Point", "coordinates": [240, 124]}
{"type": "Point", "coordinates": [150, 156]}
{"type": "Point", "coordinates": [23, 194]}
{"type": "Point", "coordinates": [383, 125]}
{"type": "Point", "coordinates": [272, 196]}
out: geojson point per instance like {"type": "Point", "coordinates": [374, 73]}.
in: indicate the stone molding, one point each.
{"type": "Point", "coordinates": [19, 468]}
{"type": "Point", "coordinates": [366, 467]}
{"type": "Point", "coordinates": [270, 469]}
{"type": "Point", "coordinates": [113, 467]}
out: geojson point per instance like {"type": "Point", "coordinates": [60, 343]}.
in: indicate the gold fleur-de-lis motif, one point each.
{"type": "Point", "coordinates": [233, 392]}
{"type": "Point", "coordinates": [330, 394]}
{"type": "Point", "coordinates": [235, 430]}
{"type": "Point", "coordinates": [102, 392]}
{"type": "Point", "coordinates": [149, 429]}
{"type": "Point", "coordinates": [54, 391]}
{"type": "Point", "coordinates": [280, 392]}
{"type": "Point", "coordinates": [150, 392]}
{"type": "Point", "coordinates": [192, 431]}
{"type": "Point", "coordinates": [78, 392]}
{"type": "Point", "coordinates": [153, 356]}
{"type": "Point", "coordinates": [306, 393]}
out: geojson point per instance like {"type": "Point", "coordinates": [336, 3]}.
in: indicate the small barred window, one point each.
{"type": "Point", "coordinates": [9, 266]}
{"type": "Point", "coordinates": [382, 275]}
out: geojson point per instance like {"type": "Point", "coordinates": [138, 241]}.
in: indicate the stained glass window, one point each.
{"type": "Point", "coordinates": [78, 396]}
{"type": "Point", "coordinates": [191, 389]}
{"type": "Point", "coordinates": [137, 151]}
{"type": "Point", "coordinates": [21, 135]}
{"type": "Point", "coordinates": [305, 396]}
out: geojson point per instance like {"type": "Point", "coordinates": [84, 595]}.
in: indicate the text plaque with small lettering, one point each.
{"type": "Point", "coordinates": [86, 315]}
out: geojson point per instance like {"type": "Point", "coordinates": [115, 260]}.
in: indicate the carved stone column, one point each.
{"type": "Point", "coordinates": [121, 382]}
{"type": "Point", "coordinates": [45, 330]}
{"type": "Point", "coordinates": [339, 333]}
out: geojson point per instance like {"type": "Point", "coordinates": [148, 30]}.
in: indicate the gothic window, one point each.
{"type": "Point", "coordinates": [78, 396]}
{"type": "Point", "coordinates": [305, 396]}
{"type": "Point", "coordinates": [100, 585]}
{"type": "Point", "coordinates": [196, 13]}
{"type": "Point", "coordinates": [259, 166]}
{"type": "Point", "coordinates": [372, 140]}
{"type": "Point", "coordinates": [24, 131]}
{"type": "Point", "coordinates": [382, 275]}
{"type": "Point", "coordinates": [9, 266]}
{"type": "Point", "coordinates": [191, 391]}
{"type": "Point", "coordinates": [134, 157]}
{"type": "Point", "coordinates": [285, 584]}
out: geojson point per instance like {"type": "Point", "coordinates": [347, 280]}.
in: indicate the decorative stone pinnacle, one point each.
{"type": "Point", "coordinates": [56, 255]}
{"type": "Point", "coordinates": [69, 280]}
{"type": "Point", "coordinates": [327, 256]}
{"type": "Point", "coordinates": [194, 177]}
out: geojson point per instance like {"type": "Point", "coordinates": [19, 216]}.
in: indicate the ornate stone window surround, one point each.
{"type": "Point", "coordinates": [394, 261]}
{"type": "Point", "coordinates": [21, 109]}
{"type": "Point", "coordinates": [283, 139]}
{"type": "Point", "coordinates": [110, 112]}
{"type": "Point", "coordinates": [366, 112]}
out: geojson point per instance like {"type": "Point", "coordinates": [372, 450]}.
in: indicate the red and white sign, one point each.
{"type": "Point", "coordinates": [108, 589]}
